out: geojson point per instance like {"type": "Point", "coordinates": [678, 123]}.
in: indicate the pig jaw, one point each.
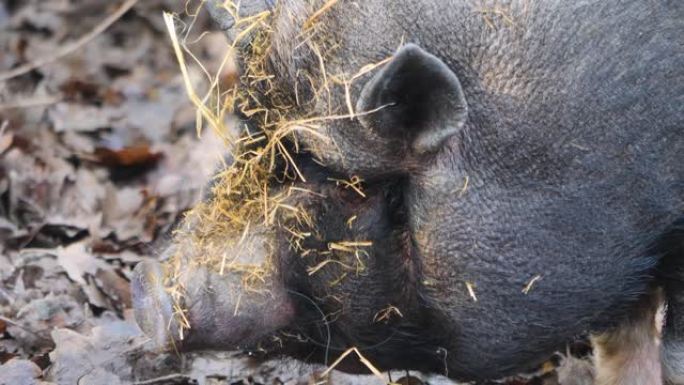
{"type": "Point", "coordinates": [220, 312]}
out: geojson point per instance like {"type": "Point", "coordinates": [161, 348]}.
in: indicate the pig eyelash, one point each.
{"type": "Point", "coordinates": [340, 348]}
{"type": "Point", "coordinates": [323, 318]}
{"type": "Point", "coordinates": [328, 345]}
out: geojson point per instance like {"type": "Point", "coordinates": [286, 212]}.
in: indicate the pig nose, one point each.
{"type": "Point", "coordinates": [152, 304]}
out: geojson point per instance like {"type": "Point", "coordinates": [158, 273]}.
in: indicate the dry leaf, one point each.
{"type": "Point", "coordinates": [79, 117]}
{"type": "Point", "coordinates": [129, 156]}
{"type": "Point", "coordinates": [19, 372]}
{"type": "Point", "coordinates": [77, 261]}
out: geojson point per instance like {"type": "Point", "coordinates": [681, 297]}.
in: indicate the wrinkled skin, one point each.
{"type": "Point", "coordinates": [548, 142]}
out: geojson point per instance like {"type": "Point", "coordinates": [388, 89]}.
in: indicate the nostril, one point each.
{"type": "Point", "coordinates": [151, 303]}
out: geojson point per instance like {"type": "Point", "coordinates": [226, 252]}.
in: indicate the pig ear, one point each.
{"type": "Point", "coordinates": [422, 98]}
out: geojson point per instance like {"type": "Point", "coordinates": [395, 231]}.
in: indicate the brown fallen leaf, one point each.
{"type": "Point", "coordinates": [115, 287]}
{"type": "Point", "coordinates": [5, 356]}
{"type": "Point", "coordinates": [76, 90]}
{"type": "Point", "coordinates": [79, 91]}
{"type": "Point", "coordinates": [128, 156]}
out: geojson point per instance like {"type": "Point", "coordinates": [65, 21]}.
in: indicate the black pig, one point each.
{"type": "Point", "coordinates": [523, 168]}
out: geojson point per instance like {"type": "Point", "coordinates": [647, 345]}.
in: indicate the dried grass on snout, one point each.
{"type": "Point", "coordinates": [243, 199]}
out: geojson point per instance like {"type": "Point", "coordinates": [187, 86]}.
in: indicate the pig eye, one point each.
{"type": "Point", "coordinates": [393, 194]}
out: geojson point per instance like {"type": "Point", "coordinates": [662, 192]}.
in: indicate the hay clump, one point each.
{"type": "Point", "coordinates": [242, 200]}
{"type": "Point", "coordinates": [255, 196]}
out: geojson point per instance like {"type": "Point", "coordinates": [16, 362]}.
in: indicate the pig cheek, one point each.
{"type": "Point", "coordinates": [280, 315]}
{"type": "Point", "coordinates": [220, 326]}
{"type": "Point", "coordinates": [270, 318]}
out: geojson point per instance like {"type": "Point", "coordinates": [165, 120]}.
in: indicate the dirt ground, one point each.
{"type": "Point", "coordinates": [99, 157]}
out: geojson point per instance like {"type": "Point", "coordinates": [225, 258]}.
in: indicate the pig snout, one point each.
{"type": "Point", "coordinates": [219, 312]}
{"type": "Point", "coordinates": [152, 304]}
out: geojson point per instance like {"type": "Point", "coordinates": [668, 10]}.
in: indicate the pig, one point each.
{"type": "Point", "coordinates": [523, 185]}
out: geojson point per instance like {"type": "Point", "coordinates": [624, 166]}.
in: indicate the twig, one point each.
{"type": "Point", "coordinates": [363, 360]}
{"type": "Point", "coordinates": [34, 102]}
{"type": "Point", "coordinates": [161, 379]}
{"type": "Point", "coordinates": [310, 21]}
{"type": "Point", "coordinates": [24, 328]}
{"type": "Point", "coordinates": [71, 47]}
